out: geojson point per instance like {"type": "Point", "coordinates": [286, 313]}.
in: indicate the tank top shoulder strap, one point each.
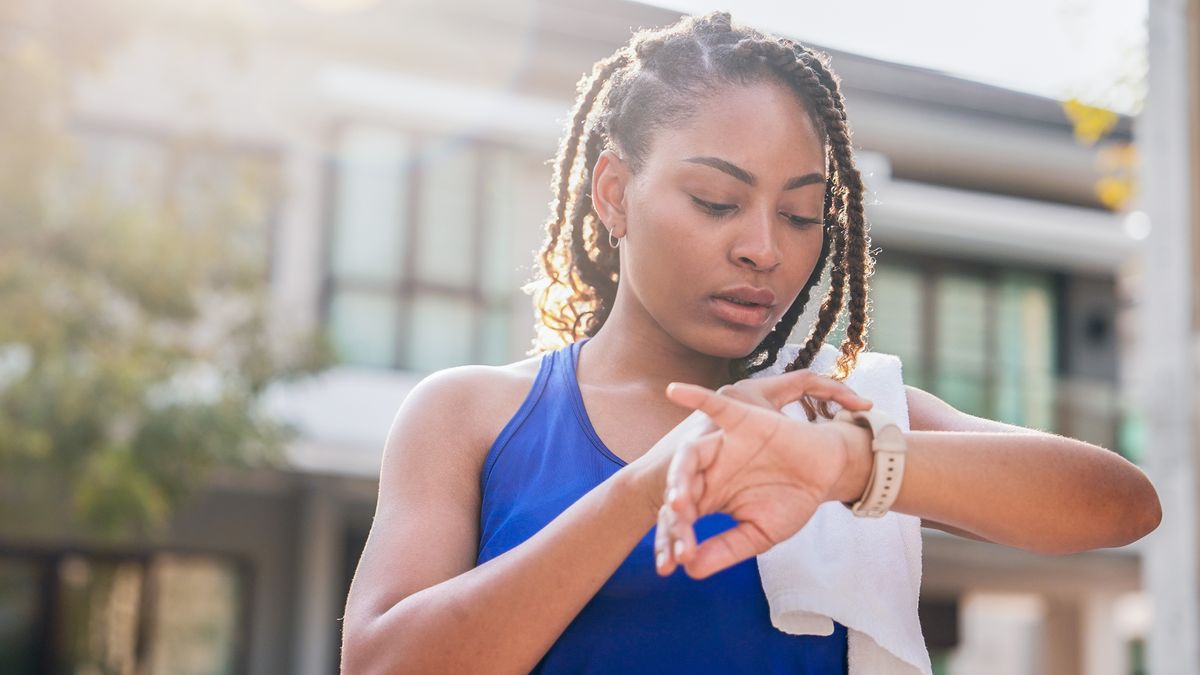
{"type": "Point", "coordinates": [540, 382]}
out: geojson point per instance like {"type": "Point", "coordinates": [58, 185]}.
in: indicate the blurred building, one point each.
{"type": "Point", "coordinates": [412, 139]}
{"type": "Point", "coordinates": [1164, 357]}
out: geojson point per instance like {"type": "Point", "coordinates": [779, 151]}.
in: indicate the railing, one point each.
{"type": "Point", "coordinates": [1091, 410]}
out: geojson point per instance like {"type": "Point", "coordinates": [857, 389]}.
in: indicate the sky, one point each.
{"type": "Point", "coordinates": [1088, 49]}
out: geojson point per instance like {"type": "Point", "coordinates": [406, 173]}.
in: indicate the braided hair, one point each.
{"type": "Point", "coordinates": [652, 83]}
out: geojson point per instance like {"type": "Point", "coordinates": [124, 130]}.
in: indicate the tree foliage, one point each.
{"type": "Point", "coordinates": [1116, 161]}
{"type": "Point", "coordinates": [135, 341]}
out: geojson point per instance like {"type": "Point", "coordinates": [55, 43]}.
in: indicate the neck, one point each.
{"type": "Point", "coordinates": [627, 352]}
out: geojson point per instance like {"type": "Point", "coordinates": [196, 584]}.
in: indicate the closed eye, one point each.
{"type": "Point", "coordinates": [801, 220]}
{"type": "Point", "coordinates": [722, 210]}
{"type": "Point", "coordinates": [713, 208]}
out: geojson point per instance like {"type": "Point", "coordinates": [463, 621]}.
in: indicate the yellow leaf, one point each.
{"type": "Point", "coordinates": [1114, 193]}
{"type": "Point", "coordinates": [1117, 158]}
{"type": "Point", "coordinates": [1090, 122]}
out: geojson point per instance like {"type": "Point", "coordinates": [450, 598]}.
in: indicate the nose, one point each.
{"type": "Point", "coordinates": [756, 245]}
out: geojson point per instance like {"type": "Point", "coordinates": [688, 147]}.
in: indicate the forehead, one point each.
{"type": "Point", "coordinates": [761, 126]}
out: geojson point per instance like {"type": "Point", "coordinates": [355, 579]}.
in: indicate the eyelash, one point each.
{"type": "Point", "coordinates": [722, 210]}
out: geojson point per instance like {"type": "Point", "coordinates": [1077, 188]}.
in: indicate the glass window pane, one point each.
{"type": "Point", "coordinates": [20, 583]}
{"type": "Point", "coordinates": [98, 603]}
{"type": "Point", "coordinates": [1025, 382]}
{"type": "Point", "coordinates": [371, 203]}
{"type": "Point", "coordinates": [363, 327]}
{"type": "Point", "coordinates": [501, 261]}
{"type": "Point", "coordinates": [195, 616]}
{"type": "Point", "coordinates": [896, 313]}
{"type": "Point", "coordinates": [961, 342]}
{"type": "Point", "coordinates": [442, 332]}
{"type": "Point", "coordinates": [497, 329]}
{"type": "Point", "coordinates": [1131, 438]}
{"type": "Point", "coordinates": [123, 169]}
{"type": "Point", "coordinates": [445, 254]}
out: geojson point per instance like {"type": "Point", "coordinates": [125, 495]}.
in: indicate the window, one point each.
{"type": "Point", "coordinates": [207, 186]}
{"type": "Point", "coordinates": [983, 338]}
{"type": "Point", "coordinates": [418, 272]}
{"type": "Point", "coordinates": [154, 612]}
{"type": "Point", "coordinates": [897, 298]}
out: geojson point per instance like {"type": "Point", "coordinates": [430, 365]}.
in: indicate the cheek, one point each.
{"type": "Point", "coordinates": [802, 259]}
{"type": "Point", "coordinates": [812, 249]}
{"type": "Point", "coordinates": [807, 253]}
{"type": "Point", "coordinates": [666, 215]}
{"type": "Point", "coordinates": [667, 228]}
{"type": "Point", "coordinates": [672, 251]}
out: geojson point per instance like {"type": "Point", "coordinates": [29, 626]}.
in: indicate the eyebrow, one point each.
{"type": "Point", "coordinates": [748, 178]}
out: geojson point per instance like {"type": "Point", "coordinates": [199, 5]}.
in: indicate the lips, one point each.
{"type": "Point", "coordinates": [743, 306]}
{"type": "Point", "coordinates": [748, 295]}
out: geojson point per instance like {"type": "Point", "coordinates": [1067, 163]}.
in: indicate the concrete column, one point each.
{"type": "Point", "coordinates": [1165, 342]}
{"type": "Point", "coordinates": [318, 607]}
{"type": "Point", "coordinates": [1105, 647]}
{"type": "Point", "coordinates": [1061, 637]}
{"type": "Point", "coordinates": [1000, 634]}
{"type": "Point", "coordinates": [299, 231]}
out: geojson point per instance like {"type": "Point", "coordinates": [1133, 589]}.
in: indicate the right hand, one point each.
{"type": "Point", "coordinates": [649, 472]}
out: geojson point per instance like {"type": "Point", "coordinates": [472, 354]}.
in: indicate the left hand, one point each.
{"type": "Point", "coordinates": [768, 471]}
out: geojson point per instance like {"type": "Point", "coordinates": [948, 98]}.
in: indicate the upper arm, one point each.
{"type": "Point", "coordinates": [426, 521]}
{"type": "Point", "coordinates": [927, 412]}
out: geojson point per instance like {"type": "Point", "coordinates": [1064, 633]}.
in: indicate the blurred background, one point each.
{"type": "Point", "coordinates": [234, 234]}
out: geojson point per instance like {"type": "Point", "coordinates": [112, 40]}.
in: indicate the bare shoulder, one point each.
{"type": "Point", "coordinates": [429, 483]}
{"type": "Point", "coordinates": [471, 403]}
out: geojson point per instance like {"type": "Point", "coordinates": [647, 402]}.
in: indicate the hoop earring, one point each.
{"type": "Point", "coordinates": [614, 243]}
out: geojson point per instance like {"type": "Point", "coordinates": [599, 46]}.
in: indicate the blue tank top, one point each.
{"type": "Point", "coordinates": [547, 457]}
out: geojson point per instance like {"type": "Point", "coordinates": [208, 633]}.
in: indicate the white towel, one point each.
{"type": "Point", "coordinates": [864, 573]}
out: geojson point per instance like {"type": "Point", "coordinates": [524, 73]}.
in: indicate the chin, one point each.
{"type": "Point", "coordinates": [732, 343]}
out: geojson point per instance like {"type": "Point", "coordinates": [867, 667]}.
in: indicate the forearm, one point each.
{"type": "Point", "coordinates": [504, 615]}
{"type": "Point", "coordinates": [1035, 491]}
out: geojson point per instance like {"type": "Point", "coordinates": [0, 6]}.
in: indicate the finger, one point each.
{"type": "Point", "coordinates": [725, 412]}
{"type": "Point", "coordinates": [694, 457]}
{"type": "Point", "coordinates": [784, 389]}
{"type": "Point", "coordinates": [664, 563]}
{"type": "Point", "coordinates": [685, 473]}
{"type": "Point", "coordinates": [825, 389]}
{"type": "Point", "coordinates": [683, 541]}
{"type": "Point", "coordinates": [725, 550]}
{"type": "Point", "coordinates": [699, 491]}
{"type": "Point", "coordinates": [681, 502]}
{"type": "Point", "coordinates": [680, 538]}
{"type": "Point", "coordinates": [685, 480]}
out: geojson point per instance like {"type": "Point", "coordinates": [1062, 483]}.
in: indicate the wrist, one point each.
{"type": "Point", "coordinates": [643, 483]}
{"type": "Point", "coordinates": [854, 442]}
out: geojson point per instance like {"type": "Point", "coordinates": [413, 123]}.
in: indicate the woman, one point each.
{"type": "Point", "coordinates": [705, 183]}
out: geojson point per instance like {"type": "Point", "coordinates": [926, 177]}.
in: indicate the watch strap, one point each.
{"type": "Point", "coordinates": [887, 468]}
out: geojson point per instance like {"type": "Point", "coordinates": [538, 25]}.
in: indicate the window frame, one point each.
{"type": "Point", "coordinates": [409, 286]}
{"type": "Point", "coordinates": [932, 270]}
{"type": "Point", "coordinates": [48, 559]}
{"type": "Point", "coordinates": [166, 138]}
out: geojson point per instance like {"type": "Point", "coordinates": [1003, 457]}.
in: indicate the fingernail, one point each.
{"type": "Point", "coordinates": [671, 495]}
{"type": "Point", "coordinates": [678, 549]}
{"type": "Point", "coordinates": [662, 559]}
